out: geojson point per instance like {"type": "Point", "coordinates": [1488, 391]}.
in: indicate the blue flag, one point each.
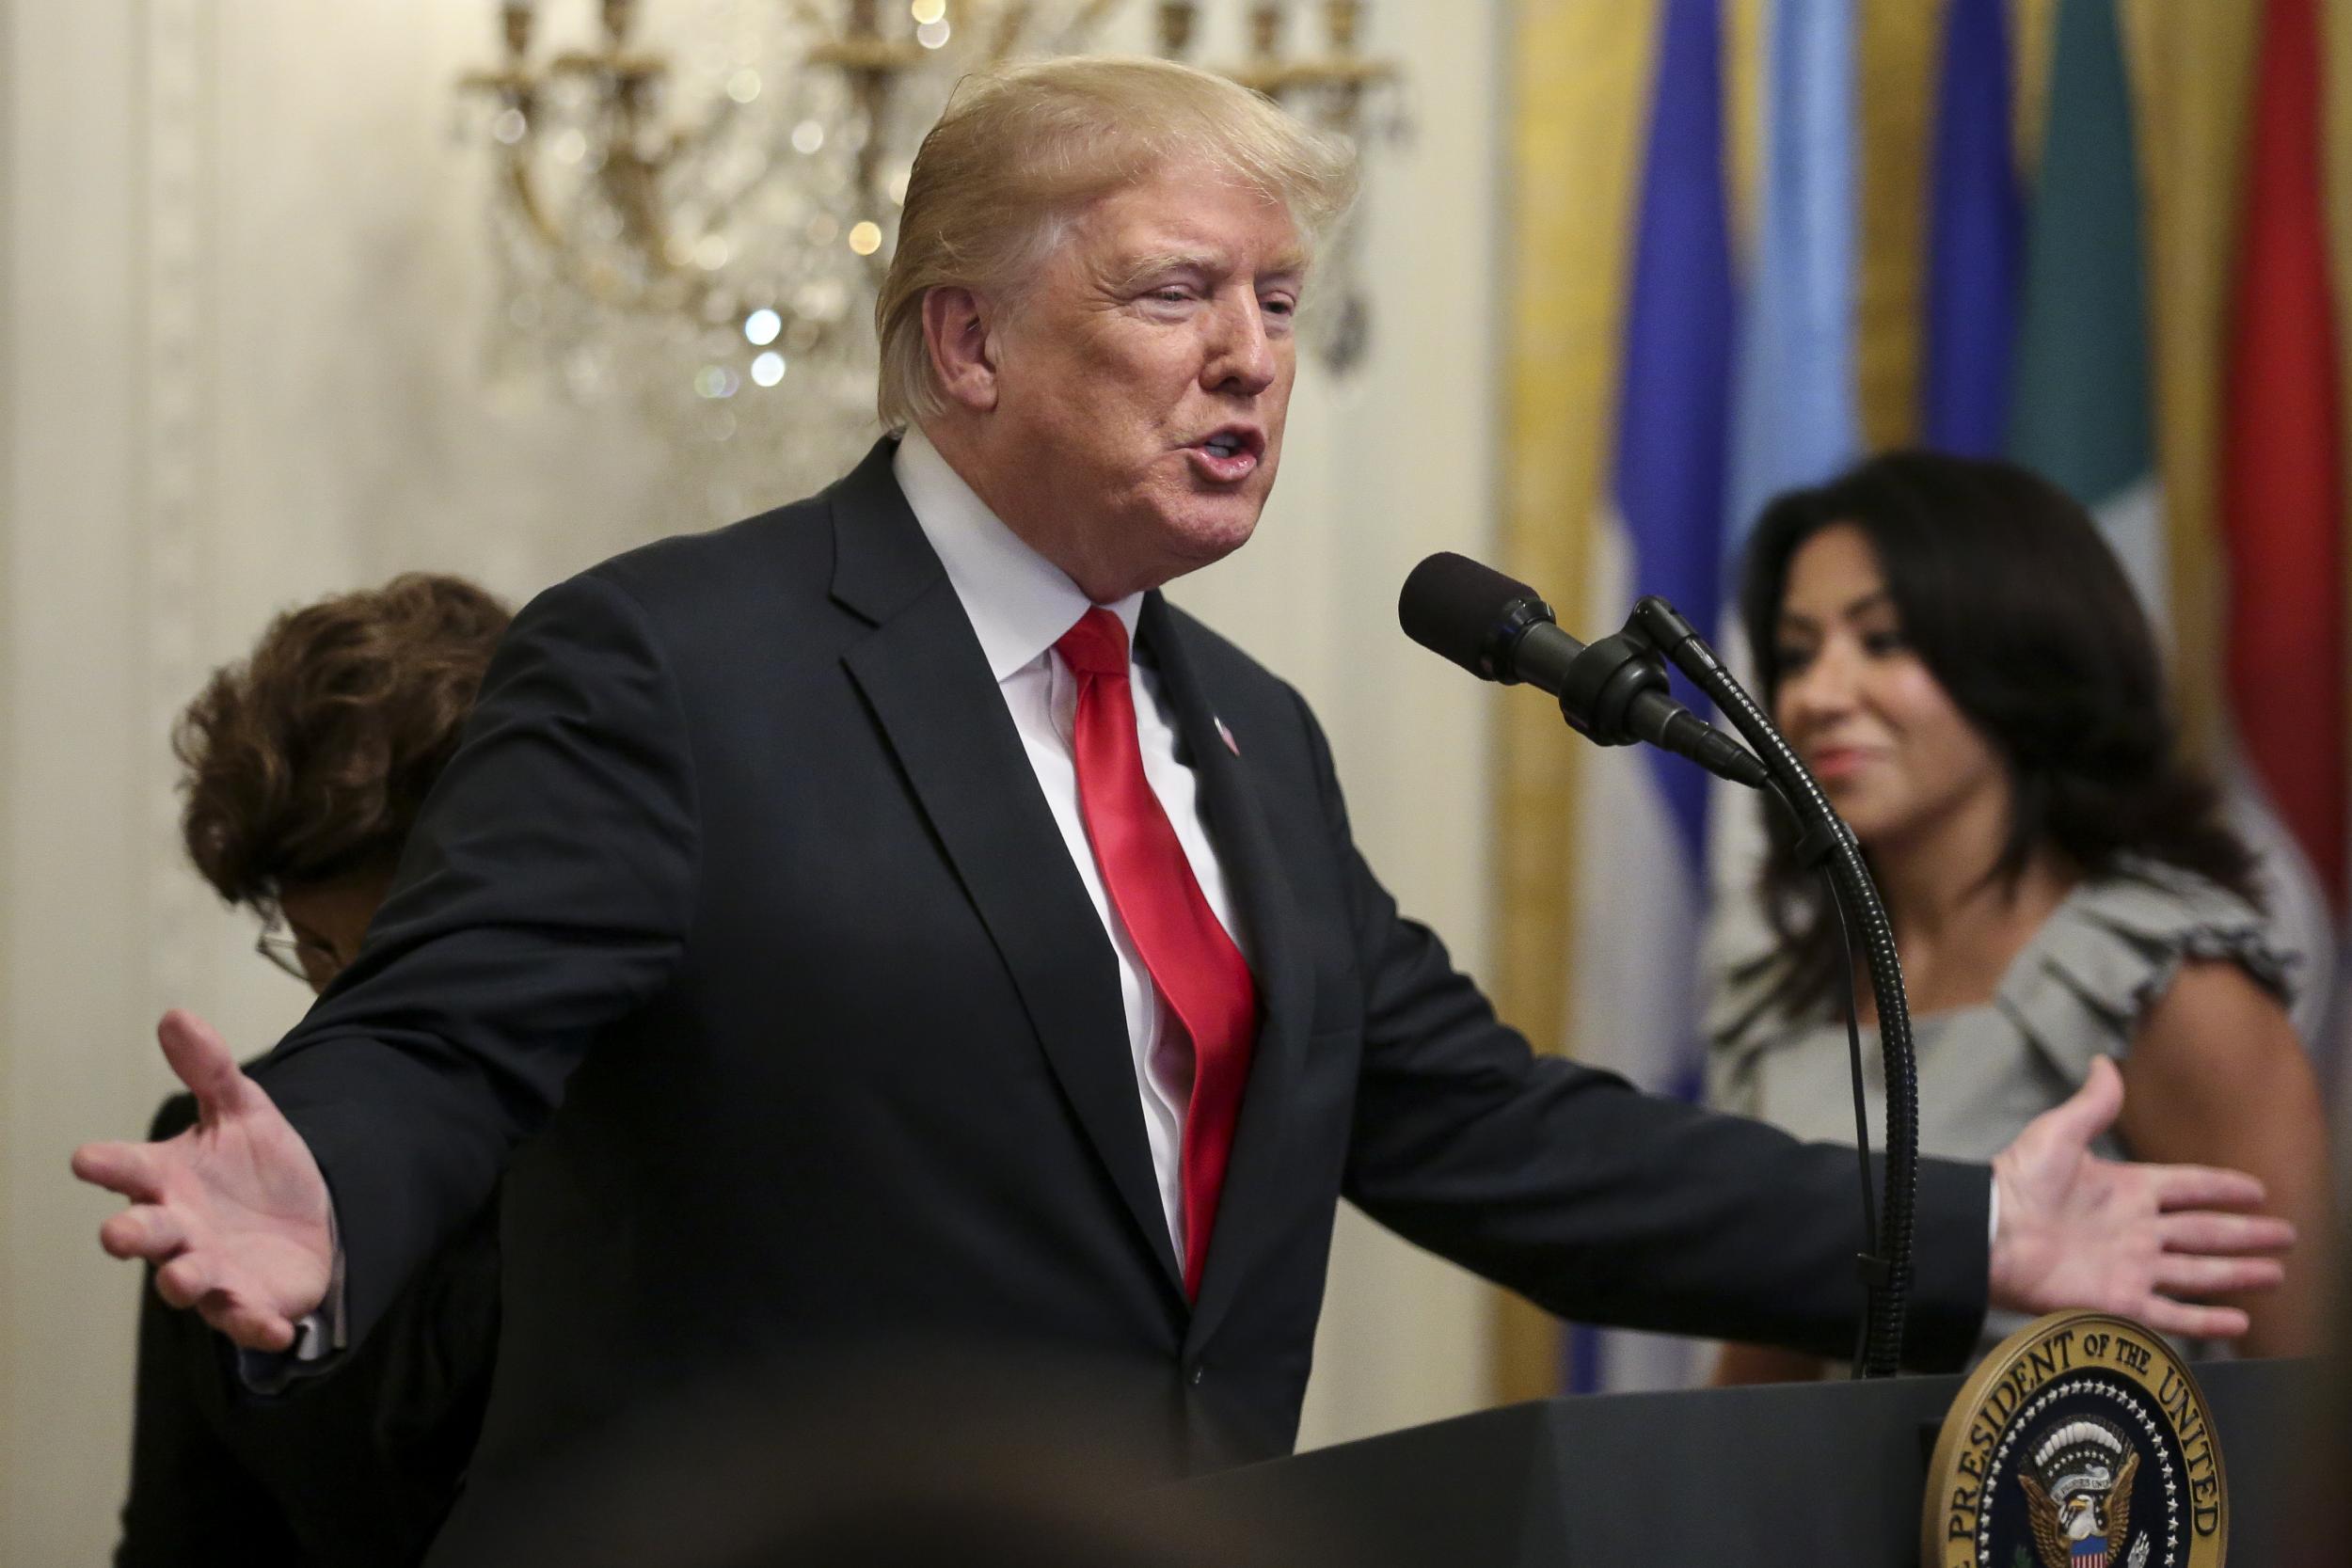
{"type": "Point", "coordinates": [1793, 420]}
{"type": "Point", "coordinates": [1975, 226]}
{"type": "Point", "coordinates": [1642, 826]}
{"type": "Point", "coordinates": [1675, 391]}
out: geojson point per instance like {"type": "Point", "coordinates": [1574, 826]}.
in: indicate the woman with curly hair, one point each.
{"type": "Point", "coordinates": [305, 767]}
{"type": "Point", "coordinates": [1961, 661]}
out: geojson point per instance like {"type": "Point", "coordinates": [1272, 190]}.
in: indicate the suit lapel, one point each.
{"type": "Point", "coordinates": [1247, 1209]}
{"type": "Point", "coordinates": [923, 672]}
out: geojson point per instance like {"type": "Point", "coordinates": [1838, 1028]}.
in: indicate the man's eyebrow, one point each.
{"type": "Point", "coordinates": [1162, 263]}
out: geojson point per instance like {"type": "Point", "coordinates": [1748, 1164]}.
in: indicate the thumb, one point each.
{"type": "Point", "coordinates": [2090, 1111]}
{"type": "Point", "coordinates": [201, 1059]}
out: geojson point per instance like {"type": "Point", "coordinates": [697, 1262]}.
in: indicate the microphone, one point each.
{"type": "Point", "coordinates": [1613, 692]}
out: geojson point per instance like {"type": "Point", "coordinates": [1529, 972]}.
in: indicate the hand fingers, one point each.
{"type": "Point", "coordinates": [201, 1059]}
{"type": "Point", "coordinates": [2200, 1232]}
{"type": "Point", "coordinates": [145, 1231]}
{"type": "Point", "coordinates": [2191, 1320]}
{"type": "Point", "coordinates": [2214, 1276]}
{"type": "Point", "coordinates": [187, 1279]}
{"type": "Point", "coordinates": [2089, 1110]}
{"type": "Point", "coordinates": [251, 1326]}
{"type": "Point", "coordinates": [2204, 1187]}
{"type": "Point", "coordinates": [129, 1169]}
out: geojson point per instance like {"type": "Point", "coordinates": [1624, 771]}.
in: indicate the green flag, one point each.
{"type": "Point", "coordinates": [2080, 412]}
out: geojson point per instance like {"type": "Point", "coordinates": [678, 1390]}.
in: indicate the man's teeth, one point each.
{"type": "Point", "coordinates": [1224, 446]}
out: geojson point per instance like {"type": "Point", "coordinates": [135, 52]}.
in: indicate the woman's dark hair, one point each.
{"type": "Point", "coordinates": [311, 757]}
{"type": "Point", "coordinates": [2014, 602]}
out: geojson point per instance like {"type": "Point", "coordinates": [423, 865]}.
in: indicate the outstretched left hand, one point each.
{"type": "Point", "coordinates": [2076, 1230]}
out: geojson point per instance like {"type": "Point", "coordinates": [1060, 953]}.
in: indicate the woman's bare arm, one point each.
{"type": "Point", "coordinates": [2217, 1077]}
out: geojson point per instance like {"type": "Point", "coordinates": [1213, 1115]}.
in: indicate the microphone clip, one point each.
{"type": "Point", "coordinates": [1597, 692]}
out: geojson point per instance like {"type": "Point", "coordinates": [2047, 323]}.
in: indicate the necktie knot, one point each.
{"type": "Point", "coordinates": [1097, 646]}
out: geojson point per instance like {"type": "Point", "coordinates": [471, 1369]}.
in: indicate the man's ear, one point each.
{"type": "Point", "coordinates": [955, 331]}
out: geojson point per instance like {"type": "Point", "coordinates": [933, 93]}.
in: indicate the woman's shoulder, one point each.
{"type": "Point", "coordinates": [2147, 918]}
{"type": "Point", "coordinates": [2157, 899]}
{"type": "Point", "coordinates": [2114, 947]}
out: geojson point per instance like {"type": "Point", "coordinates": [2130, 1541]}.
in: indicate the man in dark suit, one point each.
{"type": "Point", "coordinates": [889, 918]}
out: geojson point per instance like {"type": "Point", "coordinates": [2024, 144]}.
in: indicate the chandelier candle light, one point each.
{"type": "Point", "coordinates": [701, 231]}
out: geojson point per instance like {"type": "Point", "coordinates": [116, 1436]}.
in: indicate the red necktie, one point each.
{"type": "Point", "coordinates": [1193, 961]}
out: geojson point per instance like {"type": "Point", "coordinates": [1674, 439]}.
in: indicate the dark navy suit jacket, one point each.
{"type": "Point", "coordinates": [740, 914]}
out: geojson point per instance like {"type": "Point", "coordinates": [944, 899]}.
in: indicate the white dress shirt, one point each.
{"type": "Point", "coordinates": [1019, 604]}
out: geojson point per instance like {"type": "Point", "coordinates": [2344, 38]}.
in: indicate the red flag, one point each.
{"type": "Point", "coordinates": [2282, 468]}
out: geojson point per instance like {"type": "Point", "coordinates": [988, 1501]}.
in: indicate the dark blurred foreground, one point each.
{"type": "Point", "coordinates": [875, 1460]}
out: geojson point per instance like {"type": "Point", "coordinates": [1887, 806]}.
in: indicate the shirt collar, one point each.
{"type": "Point", "coordinates": [1019, 602]}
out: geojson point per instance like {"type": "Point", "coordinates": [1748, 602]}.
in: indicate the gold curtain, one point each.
{"type": "Point", "coordinates": [1580, 83]}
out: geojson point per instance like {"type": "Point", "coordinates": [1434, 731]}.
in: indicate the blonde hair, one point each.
{"type": "Point", "coordinates": [1021, 150]}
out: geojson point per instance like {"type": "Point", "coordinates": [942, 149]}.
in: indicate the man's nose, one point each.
{"type": "Point", "coordinates": [1241, 356]}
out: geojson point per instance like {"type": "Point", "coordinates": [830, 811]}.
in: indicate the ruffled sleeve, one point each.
{"type": "Point", "coordinates": [2110, 952]}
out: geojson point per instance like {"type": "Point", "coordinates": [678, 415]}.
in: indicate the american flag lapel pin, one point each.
{"type": "Point", "coordinates": [1225, 735]}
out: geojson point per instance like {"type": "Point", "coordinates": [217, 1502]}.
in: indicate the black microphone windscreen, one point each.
{"type": "Point", "coordinates": [1454, 607]}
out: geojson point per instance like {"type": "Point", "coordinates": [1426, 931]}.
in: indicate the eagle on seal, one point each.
{"type": "Point", "coordinates": [2089, 1527]}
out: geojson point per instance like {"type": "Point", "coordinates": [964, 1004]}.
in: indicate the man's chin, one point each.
{"type": "Point", "coordinates": [1204, 539]}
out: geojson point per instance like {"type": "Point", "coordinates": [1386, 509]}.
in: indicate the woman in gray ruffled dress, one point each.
{"type": "Point", "coordinates": [1959, 660]}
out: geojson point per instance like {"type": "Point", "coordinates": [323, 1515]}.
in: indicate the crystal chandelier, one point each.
{"type": "Point", "coordinates": [701, 231]}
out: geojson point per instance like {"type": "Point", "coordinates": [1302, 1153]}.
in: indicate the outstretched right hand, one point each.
{"type": "Point", "coordinates": [233, 1213]}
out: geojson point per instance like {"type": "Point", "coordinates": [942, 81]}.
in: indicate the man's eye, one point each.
{"type": "Point", "coordinates": [1172, 295]}
{"type": "Point", "coordinates": [1881, 643]}
{"type": "Point", "coordinates": [1280, 306]}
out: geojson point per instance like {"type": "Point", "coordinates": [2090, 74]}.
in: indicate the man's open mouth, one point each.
{"type": "Point", "coordinates": [1232, 452]}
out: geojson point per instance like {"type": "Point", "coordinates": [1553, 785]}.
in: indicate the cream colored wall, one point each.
{"type": "Point", "coordinates": [243, 277]}
{"type": "Point", "coordinates": [9, 339]}
{"type": "Point", "coordinates": [73, 904]}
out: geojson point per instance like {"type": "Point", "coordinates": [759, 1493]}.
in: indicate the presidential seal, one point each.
{"type": "Point", "coordinates": [2082, 1442]}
